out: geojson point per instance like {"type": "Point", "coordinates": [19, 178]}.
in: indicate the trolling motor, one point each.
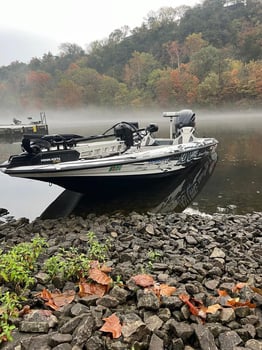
{"type": "Point", "coordinates": [184, 118]}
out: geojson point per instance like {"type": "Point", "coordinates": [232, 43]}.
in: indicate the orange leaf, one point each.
{"type": "Point", "coordinates": [112, 325]}
{"type": "Point", "coordinates": [99, 276]}
{"type": "Point", "coordinates": [57, 299]}
{"type": "Point", "coordinates": [143, 280]}
{"type": "Point", "coordinates": [222, 293]}
{"type": "Point", "coordinates": [236, 303]}
{"type": "Point", "coordinates": [65, 298]}
{"type": "Point", "coordinates": [193, 309]}
{"type": "Point", "coordinates": [92, 289]}
{"type": "Point", "coordinates": [164, 290]}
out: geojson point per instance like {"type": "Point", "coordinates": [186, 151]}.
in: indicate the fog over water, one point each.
{"type": "Point", "coordinates": [235, 185]}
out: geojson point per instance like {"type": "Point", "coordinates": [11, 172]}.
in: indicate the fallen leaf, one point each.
{"type": "Point", "coordinates": [99, 276]}
{"type": "Point", "coordinates": [163, 290]}
{"type": "Point", "coordinates": [236, 303]}
{"type": "Point", "coordinates": [212, 309]}
{"type": "Point", "coordinates": [143, 280]}
{"type": "Point", "coordinates": [112, 325]}
{"type": "Point", "coordinates": [86, 289]}
{"type": "Point", "coordinates": [57, 299]}
{"type": "Point", "coordinates": [222, 293]}
{"type": "Point", "coordinates": [192, 308]}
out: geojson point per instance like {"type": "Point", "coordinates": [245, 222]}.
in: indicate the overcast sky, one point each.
{"type": "Point", "coordinates": [30, 28]}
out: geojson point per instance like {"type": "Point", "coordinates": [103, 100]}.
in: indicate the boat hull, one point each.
{"type": "Point", "coordinates": [87, 176]}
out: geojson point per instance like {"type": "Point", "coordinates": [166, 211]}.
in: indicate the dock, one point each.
{"type": "Point", "coordinates": [14, 132]}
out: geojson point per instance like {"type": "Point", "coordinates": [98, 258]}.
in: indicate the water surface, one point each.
{"type": "Point", "coordinates": [235, 185]}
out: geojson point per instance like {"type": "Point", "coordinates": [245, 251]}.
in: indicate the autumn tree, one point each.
{"type": "Point", "coordinates": [193, 44]}
{"type": "Point", "coordinates": [174, 50]}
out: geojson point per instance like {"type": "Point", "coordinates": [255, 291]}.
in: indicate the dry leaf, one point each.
{"type": "Point", "coordinates": [192, 308]}
{"type": "Point", "coordinates": [236, 303]}
{"type": "Point", "coordinates": [162, 290]}
{"type": "Point", "coordinates": [99, 276]}
{"type": "Point", "coordinates": [143, 280]}
{"type": "Point", "coordinates": [91, 289]}
{"type": "Point", "coordinates": [222, 293]}
{"type": "Point", "coordinates": [112, 325]}
{"type": "Point", "coordinates": [212, 309]}
{"type": "Point", "coordinates": [57, 299]}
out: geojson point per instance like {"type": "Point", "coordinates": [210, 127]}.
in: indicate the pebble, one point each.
{"type": "Point", "coordinates": [199, 255]}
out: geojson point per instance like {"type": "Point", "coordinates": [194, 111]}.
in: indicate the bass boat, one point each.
{"type": "Point", "coordinates": [123, 156]}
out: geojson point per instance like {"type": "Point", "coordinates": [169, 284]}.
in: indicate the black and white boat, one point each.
{"type": "Point", "coordinates": [124, 155]}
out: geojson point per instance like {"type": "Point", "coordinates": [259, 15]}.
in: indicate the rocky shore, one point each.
{"type": "Point", "coordinates": [210, 260]}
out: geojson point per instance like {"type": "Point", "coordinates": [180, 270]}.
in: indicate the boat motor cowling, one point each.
{"type": "Point", "coordinates": [184, 118]}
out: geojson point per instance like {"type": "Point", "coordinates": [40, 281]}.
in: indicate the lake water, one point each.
{"type": "Point", "coordinates": [235, 185]}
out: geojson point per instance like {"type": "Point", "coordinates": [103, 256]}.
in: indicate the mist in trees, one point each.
{"type": "Point", "coordinates": [210, 54]}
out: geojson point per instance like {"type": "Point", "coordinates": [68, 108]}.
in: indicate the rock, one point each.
{"type": "Point", "coordinates": [197, 255]}
{"type": "Point", "coordinates": [217, 253]}
{"type": "Point", "coordinates": [156, 343]}
{"type": "Point", "coordinates": [253, 344]}
{"type": "Point", "coordinates": [227, 315]}
{"type": "Point", "coordinates": [84, 331]}
{"type": "Point", "coordinates": [205, 337]}
{"type": "Point", "coordinates": [228, 340]}
{"type": "Point", "coordinates": [133, 328]}
{"type": "Point", "coordinates": [153, 323]}
{"type": "Point", "coordinates": [147, 301]}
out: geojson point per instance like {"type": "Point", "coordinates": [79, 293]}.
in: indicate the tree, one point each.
{"type": "Point", "coordinates": [194, 43]}
{"type": "Point", "coordinates": [137, 70]}
{"type": "Point", "coordinates": [205, 61]}
{"type": "Point", "coordinates": [174, 50]}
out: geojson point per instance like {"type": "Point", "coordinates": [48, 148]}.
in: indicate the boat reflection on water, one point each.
{"type": "Point", "coordinates": [172, 194]}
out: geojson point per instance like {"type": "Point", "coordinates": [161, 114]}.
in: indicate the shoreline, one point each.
{"type": "Point", "coordinates": [198, 255]}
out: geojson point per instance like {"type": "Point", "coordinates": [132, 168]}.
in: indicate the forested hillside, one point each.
{"type": "Point", "coordinates": [210, 54]}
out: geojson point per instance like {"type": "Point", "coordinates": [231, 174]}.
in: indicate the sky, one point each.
{"type": "Point", "coordinates": [30, 28]}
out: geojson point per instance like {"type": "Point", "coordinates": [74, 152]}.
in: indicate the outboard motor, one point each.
{"type": "Point", "coordinates": [186, 117]}
{"type": "Point", "coordinates": [124, 131]}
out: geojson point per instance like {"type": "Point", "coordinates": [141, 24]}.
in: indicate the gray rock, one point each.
{"type": "Point", "coordinates": [153, 323]}
{"type": "Point", "coordinates": [33, 327]}
{"type": "Point", "coordinates": [228, 340]}
{"type": "Point", "coordinates": [59, 338]}
{"type": "Point", "coordinates": [133, 328]}
{"type": "Point", "coordinates": [253, 344]}
{"type": "Point", "coordinates": [205, 337]}
{"type": "Point", "coordinates": [217, 253]}
{"type": "Point", "coordinates": [156, 343]}
{"type": "Point", "coordinates": [147, 300]}
{"type": "Point", "coordinates": [95, 343]}
{"type": "Point", "coordinates": [182, 330]}
{"type": "Point", "coordinates": [84, 331]}
{"type": "Point", "coordinates": [227, 315]}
